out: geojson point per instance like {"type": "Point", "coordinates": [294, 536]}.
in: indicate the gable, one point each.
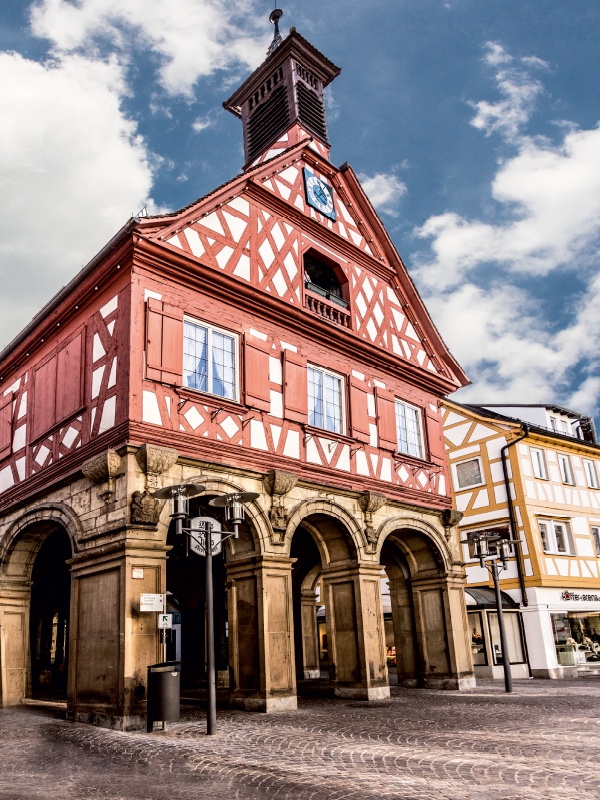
{"type": "Point", "coordinates": [262, 243]}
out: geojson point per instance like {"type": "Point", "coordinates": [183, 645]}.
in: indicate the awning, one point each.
{"type": "Point", "coordinates": [482, 597]}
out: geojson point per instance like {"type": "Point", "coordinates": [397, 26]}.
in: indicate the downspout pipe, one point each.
{"type": "Point", "coordinates": [511, 512]}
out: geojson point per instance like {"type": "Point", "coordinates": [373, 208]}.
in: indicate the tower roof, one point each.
{"type": "Point", "coordinates": [286, 88]}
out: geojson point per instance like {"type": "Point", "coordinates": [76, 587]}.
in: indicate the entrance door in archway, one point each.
{"type": "Point", "coordinates": [49, 617]}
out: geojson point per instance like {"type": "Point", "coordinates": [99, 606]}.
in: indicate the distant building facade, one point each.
{"type": "Point", "coordinates": [552, 587]}
{"type": "Point", "coordinates": [265, 338]}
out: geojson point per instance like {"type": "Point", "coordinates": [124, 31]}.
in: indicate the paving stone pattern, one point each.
{"type": "Point", "coordinates": [541, 742]}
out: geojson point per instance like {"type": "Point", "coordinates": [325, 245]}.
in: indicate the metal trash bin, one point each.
{"type": "Point", "coordinates": [164, 682]}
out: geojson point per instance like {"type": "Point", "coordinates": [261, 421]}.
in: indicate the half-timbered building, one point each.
{"type": "Point", "coordinates": [265, 338]}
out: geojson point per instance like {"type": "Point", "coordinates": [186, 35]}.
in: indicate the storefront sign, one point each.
{"type": "Point", "coordinates": [589, 598]}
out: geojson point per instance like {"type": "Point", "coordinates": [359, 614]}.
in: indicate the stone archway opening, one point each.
{"type": "Point", "coordinates": [49, 617]}
{"type": "Point", "coordinates": [186, 600]}
{"type": "Point", "coordinates": [424, 613]}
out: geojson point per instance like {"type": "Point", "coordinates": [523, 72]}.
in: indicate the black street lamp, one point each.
{"type": "Point", "coordinates": [481, 549]}
{"type": "Point", "coordinates": [206, 533]}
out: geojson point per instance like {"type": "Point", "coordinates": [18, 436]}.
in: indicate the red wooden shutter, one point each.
{"type": "Point", "coordinates": [295, 395]}
{"type": "Point", "coordinates": [435, 437]}
{"type": "Point", "coordinates": [359, 413]}
{"type": "Point", "coordinates": [68, 386]}
{"type": "Point", "coordinates": [164, 342]}
{"type": "Point", "coordinates": [44, 397]}
{"type": "Point", "coordinates": [386, 420]}
{"type": "Point", "coordinates": [6, 425]}
{"type": "Point", "coordinates": [256, 374]}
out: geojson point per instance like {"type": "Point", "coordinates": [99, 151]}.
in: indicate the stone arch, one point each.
{"type": "Point", "coordinates": [260, 527]}
{"type": "Point", "coordinates": [315, 515]}
{"type": "Point", "coordinates": [23, 539]}
{"type": "Point", "coordinates": [422, 545]}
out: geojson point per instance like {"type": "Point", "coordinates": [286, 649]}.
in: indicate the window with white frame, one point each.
{"type": "Point", "coordinates": [408, 429]}
{"type": "Point", "coordinates": [325, 400]}
{"type": "Point", "coordinates": [566, 472]}
{"type": "Point", "coordinates": [209, 359]}
{"type": "Point", "coordinates": [468, 473]}
{"type": "Point", "coordinates": [539, 464]}
{"type": "Point", "coordinates": [590, 473]}
{"type": "Point", "coordinates": [556, 537]}
{"type": "Point", "coordinates": [596, 538]}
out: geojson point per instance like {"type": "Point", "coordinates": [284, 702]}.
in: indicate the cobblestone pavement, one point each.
{"type": "Point", "coordinates": [541, 742]}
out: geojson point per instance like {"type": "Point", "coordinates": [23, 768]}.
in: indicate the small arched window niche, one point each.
{"type": "Point", "coordinates": [326, 279]}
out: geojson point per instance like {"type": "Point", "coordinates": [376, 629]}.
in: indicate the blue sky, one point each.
{"type": "Point", "coordinates": [474, 126]}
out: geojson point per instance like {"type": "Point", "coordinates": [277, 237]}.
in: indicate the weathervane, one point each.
{"type": "Point", "coordinates": [274, 18]}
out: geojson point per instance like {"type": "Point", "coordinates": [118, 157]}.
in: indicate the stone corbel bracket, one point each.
{"type": "Point", "coordinates": [369, 503]}
{"type": "Point", "coordinates": [103, 468]}
{"type": "Point", "coordinates": [153, 461]}
{"type": "Point", "coordinates": [278, 484]}
{"type": "Point", "coordinates": [450, 518]}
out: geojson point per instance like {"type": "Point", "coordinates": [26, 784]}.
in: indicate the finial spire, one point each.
{"type": "Point", "coordinates": [274, 18]}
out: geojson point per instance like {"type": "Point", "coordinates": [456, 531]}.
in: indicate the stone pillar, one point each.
{"type": "Point", "coordinates": [310, 645]}
{"type": "Point", "coordinates": [261, 647]}
{"type": "Point", "coordinates": [111, 642]}
{"type": "Point", "coordinates": [442, 632]}
{"type": "Point", "coordinates": [15, 596]}
{"type": "Point", "coordinates": [355, 631]}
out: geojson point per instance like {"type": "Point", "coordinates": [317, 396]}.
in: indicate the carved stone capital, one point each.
{"type": "Point", "coordinates": [277, 482]}
{"type": "Point", "coordinates": [370, 502]}
{"type": "Point", "coordinates": [450, 518]}
{"type": "Point", "coordinates": [155, 460]}
{"type": "Point", "coordinates": [103, 467]}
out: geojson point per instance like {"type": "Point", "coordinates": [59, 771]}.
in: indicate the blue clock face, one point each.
{"type": "Point", "coordinates": [319, 194]}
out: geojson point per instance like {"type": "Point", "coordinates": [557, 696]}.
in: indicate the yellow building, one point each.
{"type": "Point", "coordinates": [534, 469]}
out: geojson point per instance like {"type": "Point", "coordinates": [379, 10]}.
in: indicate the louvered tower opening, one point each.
{"type": "Point", "coordinates": [267, 121]}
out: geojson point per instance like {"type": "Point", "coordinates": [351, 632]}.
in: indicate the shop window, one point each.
{"type": "Point", "coordinates": [576, 637]}
{"type": "Point", "coordinates": [556, 537]}
{"type": "Point", "coordinates": [468, 473]}
{"type": "Point", "coordinates": [326, 279]}
{"type": "Point", "coordinates": [566, 472]}
{"type": "Point", "coordinates": [539, 464]}
{"type": "Point", "coordinates": [408, 429]}
{"type": "Point", "coordinates": [325, 400]}
{"type": "Point", "coordinates": [590, 473]}
{"type": "Point", "coordinates": [514, 637]}
{"type": "Point", "coordinates": [596, 538]}
{"type": "Point", "coordinates": [477, 639]}
{"type": "Point", "coordinates": [209, 360]}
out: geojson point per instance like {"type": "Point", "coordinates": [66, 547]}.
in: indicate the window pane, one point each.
{"type": "Point", "coordinates": [544, 535]}
{"type": "Point", "coordinates": [565, 469]}
{"type": "Point", "coordinates": [477, 640]}
{"type": "Point", "coordinates": [413, 430]}
{"type": "Point", "coordinates": [223, 365]}
{"type": "Point", "coordinates": [315, 397]}
{"type": "Point", "coordinates": [195, 359]}
{"type": "Point", "coordinates": [596, 538]}
{"type": "Point", "coordinates": [591, 475]}
{"type": "Point", "coordinates": [401, 428]}
{"type": "Point", "coordinates": [468, 473]}
{"type": "Point", "coordinates": [513, 638]}
{"type": "Point", "coordinates": [333, 403]}
{"type": "Point", "coordinates": [561, 538]}
{"type": "Point", "coordinates": [539, 467]}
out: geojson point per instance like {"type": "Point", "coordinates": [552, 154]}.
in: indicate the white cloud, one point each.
{"type": "Point", "coordinates": [73, 170]}
{"type": "Point", "coordinates": [201, 124]}
{"type": "Point", "coordinates": [193, 37]}
{"type": "Point", "coordinates": [384, 190]}
{"type": "Point", "coordinates": [520, 91]}
{"type": "Point", "coordinates": [547, 219]}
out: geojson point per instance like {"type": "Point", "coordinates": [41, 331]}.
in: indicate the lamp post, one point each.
{"type": "Point", "coordinates": [481, 549]}
{"type": "Point", "coordinates": [206, 534]}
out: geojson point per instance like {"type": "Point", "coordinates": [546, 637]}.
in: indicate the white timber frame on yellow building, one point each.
{"type": "Point", "coordinates": [551, 588]}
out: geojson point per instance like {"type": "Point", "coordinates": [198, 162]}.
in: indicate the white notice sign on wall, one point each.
{"type": "Point", "coordinates": [165, 622]}
{"type": "Point", "coordinates": [152, 602]}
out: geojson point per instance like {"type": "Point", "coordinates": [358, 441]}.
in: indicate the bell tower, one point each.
{"type": "Point", "coordinates": [285, 92]}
